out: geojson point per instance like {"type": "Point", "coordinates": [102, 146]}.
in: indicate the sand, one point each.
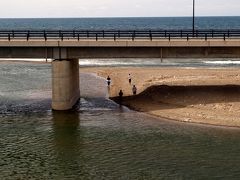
{"type": "Point", "coordinates": [208, 96]}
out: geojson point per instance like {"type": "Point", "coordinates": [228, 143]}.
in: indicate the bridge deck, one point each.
{"type": "Point", "coordinates": [120, 44]}
{"type": "Point", "coordinates": [103, 42]}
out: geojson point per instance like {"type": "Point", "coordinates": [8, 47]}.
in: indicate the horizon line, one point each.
{"type": "Point", "coordinates": [103, 17]}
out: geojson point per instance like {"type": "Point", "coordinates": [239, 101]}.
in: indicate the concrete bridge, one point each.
{"type": "Point", "coordinates": [66, 50]}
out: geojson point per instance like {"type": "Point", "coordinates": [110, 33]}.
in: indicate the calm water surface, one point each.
{"type": "Point", "coordinates": [99, 139]}
{"type": "Point", "coordinates": [137, 23]}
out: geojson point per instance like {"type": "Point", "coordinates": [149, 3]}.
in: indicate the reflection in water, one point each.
{"type": "Point", "coordinates": [67, 142]}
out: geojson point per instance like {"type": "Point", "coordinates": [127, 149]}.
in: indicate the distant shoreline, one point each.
{"type": "Point", "coordinates": [25, 61]}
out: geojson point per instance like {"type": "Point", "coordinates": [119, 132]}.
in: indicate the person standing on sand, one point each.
{"type": "Point", "coordinates": [129, 78]}
{"type": "Point", "coordinates": [134, 90]}
{"type": "Point", "coordinates": [120, 96]}
{"type": "Point", "coordinates": [108, 81]}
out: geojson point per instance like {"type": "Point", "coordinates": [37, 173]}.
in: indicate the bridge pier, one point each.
{"type": "Point", "coordinates": [65, 84]}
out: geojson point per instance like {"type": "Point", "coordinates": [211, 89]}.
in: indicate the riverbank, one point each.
{"type": "Point", "coordinates": [209, 96]}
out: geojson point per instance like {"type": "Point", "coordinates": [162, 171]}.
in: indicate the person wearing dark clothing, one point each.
{"type": "Point", "coordinates": [120, 96]}
{"type": "Point", "coordinates": [108, 81]}
{"type": "Point", "coordinates": [134, 90]}
{"type": "Point", "coordinates": [129, 78]}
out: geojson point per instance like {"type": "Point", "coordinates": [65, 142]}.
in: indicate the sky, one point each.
{"type": "Point", "coordinates": [116, 8]}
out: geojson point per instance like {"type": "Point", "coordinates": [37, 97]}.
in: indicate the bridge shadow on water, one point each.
{"type": "Point", "coordinates": [172, 97]}
{"type": "Point", "coordinates": [67, 142]}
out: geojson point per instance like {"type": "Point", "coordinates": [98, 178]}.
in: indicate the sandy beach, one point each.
{"type": "Point", "coordinates": [208, 96]}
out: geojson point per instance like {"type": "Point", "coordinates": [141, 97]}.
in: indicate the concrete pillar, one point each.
{"type": "Point", "coordinates": [65, 84]}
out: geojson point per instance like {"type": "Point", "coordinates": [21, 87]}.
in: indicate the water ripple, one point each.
{"type": "Point", "coordinates": [100, 140]}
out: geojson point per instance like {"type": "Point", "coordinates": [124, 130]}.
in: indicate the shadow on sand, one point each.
{"type": "Point", "coordinates": [172, 97]}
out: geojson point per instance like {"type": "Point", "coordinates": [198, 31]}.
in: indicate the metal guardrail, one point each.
{"type": "Point", "coordinates": [123, 34]}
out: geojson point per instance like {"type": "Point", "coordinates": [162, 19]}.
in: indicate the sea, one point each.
{"type": "Point", "coordinates": [99, 139]}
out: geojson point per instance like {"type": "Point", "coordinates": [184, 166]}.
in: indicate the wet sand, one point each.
{"type": "Point", "coordinates": [208, 96]}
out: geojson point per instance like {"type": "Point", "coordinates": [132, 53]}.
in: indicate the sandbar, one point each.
{"type": "Point", "coordinates": [196, 95]}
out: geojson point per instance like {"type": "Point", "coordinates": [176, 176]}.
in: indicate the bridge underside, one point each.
{"type": "Point", "coordinates": [65, 67]}
{"type": "Point", "coordinates": [119, 52]}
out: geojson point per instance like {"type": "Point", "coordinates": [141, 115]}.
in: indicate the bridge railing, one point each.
{"type": "Point", "coordinates": [120, 34]}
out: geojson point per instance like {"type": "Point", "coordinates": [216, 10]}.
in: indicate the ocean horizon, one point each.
{"type": "Point", "coordinates": [120, 23]}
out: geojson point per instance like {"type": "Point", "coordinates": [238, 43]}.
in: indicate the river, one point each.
{"type": "Point", "coordinates": [99, 139]}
